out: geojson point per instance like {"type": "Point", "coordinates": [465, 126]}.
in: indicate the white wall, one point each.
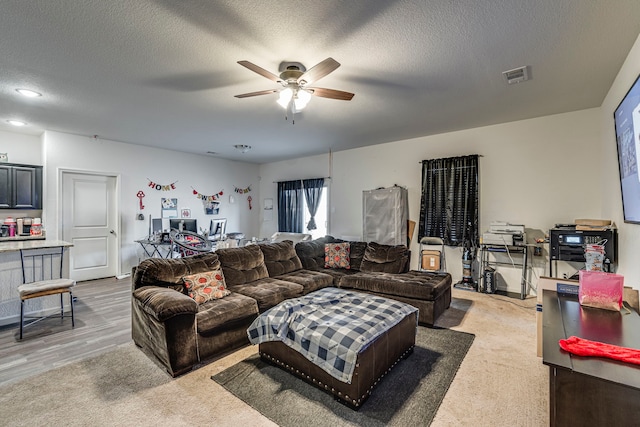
{"type": "Point", "coordinates": [629, 234]}
{"type": "Point", "coordinates": [136, 165]}
{"type": "Point", "coordinates": [535, 172]}
{"type": "Point", "coordinates": [25, 149]}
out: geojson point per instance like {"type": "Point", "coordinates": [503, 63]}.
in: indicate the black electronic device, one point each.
{"type": "Point", "coordinates": [568, 244]}
{"type": "Point", "coordinates": [627, 125]}
{"type": "Point", "coordinates": [184, 224]}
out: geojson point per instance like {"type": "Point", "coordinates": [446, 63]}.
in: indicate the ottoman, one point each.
{"type": "Point", "coordinates": [308, 337]}
{"type": "Point", "coordinates": [430, 292]}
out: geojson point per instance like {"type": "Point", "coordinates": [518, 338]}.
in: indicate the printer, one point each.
{"type": "Point", "coordinates": [504, 233]}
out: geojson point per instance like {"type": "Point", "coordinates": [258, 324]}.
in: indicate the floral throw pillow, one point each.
{"type": "Point", "coordinates": [336, 255]}
{"type": "Point", "coordinates": [203, 287]}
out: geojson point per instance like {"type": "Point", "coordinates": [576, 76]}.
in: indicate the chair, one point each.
{"type": "Point", "coordinates": [432, 260]}
{"type": "Point", "coordinates": [217, 229]}
{"type": "Point", "coordinates": [50, 282]}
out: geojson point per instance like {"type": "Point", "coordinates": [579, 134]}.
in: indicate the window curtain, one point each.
{"type": "Point", "coordinates": [449, 203]}
{"type": "Point", "coordinates": [312, 194]}
{"type": "Point", "coordinates": [290, 215]}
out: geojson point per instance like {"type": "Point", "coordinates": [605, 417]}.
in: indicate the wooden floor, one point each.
{"type": "Point", "coordinates": [102, 322]}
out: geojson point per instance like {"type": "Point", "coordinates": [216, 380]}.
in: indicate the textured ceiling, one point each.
{"type": "Point", "coordinates": [164, 72]}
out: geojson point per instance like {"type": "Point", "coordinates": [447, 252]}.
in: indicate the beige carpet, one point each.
{"type": "Point", "coordinates": [501, 382]}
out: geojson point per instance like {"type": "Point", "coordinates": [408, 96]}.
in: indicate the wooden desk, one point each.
{"type": "Point", "coordinates": [590, 391]}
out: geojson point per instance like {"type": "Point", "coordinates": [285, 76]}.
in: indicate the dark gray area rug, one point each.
{"type": "Point", "coordinates": [408, 396]}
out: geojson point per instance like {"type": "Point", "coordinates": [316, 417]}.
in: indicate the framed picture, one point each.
{"type": "Point", "coordinates": [169, 208]}
{"type": "Point", "coordinates": [185, 213]}
{"type": "Point", "coordinates": [212, 208]}
{"type": "Point", "coordinates": [4, 157]}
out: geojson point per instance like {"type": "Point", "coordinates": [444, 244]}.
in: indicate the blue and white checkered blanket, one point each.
{"type": "Point", "coordinates": [330, 326]}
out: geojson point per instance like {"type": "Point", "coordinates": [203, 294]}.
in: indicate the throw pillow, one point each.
{"type": "Point", "coordinates": [203, 287]}
{"type": "Point", "coordinates": [336, 255]}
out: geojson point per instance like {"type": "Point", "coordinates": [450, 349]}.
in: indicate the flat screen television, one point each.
{"type": "Point", "coordinates": [188, 224]}
{"type": "Point", "coordinates": [627, 123]}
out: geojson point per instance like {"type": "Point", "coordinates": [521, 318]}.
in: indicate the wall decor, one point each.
{"type": "Point", "coordinates": [140, 195]}
{"type": "Point", "coordinates": [162, 187]}
{"type": "Point", "coordinates": [268, 210]}
{"type": "Point", "coordinates": [249, 199]}
{"type": "Point", "coordinates": [211, 208]}
{"type": "Point", "coordinates": [185, 213]}
{"type": "Point", "coordinates": [204, 197]}
{"type": "Point", "coordinates": [169, 208]}
{"type": "Point", "coordinates": [4, 157]}
{"type": "Point", "coordinates": [242, 190]}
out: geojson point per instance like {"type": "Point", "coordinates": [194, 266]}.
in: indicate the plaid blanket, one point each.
{"type": "Point", "coordinates": [330, 326]}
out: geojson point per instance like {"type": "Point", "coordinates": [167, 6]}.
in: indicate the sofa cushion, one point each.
{"type": "Point", "coordinates": [310, 280]}
{"type": "Point", "coordinates": [356, 253]}
{"type": "Point", "coordinates": [336, 255]}
{"type": "Point", "coordinates": [384, 258]}
{"type": "Point", "coordinates": [242, 265]}
{"type": "Point", "coordinates": [223, 314]}
{"type": "Point", "coordinates": [268, 291]}
{"type": "Point", "coordinates": [203, 287]}
{"type": "Point", "coordinates": [280, 258]}
{"type": "Point", "coordinates": [168, 273]}
{"type": "Point", "coordinates": [164, 303]}
{"type": "Point", "coordinates": [311, 253]}
{"type": "Point", "coordinates": [419, 285]}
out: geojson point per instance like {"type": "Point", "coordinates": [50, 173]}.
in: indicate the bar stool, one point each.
{"type": "Point", "coordinates": [51, 282]}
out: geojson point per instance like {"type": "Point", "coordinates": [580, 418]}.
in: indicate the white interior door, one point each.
{"type": "Point", "coordinates": [89, 221]}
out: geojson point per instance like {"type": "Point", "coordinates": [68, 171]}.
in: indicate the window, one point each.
{"type": "Point", "coordinates": [302, 206]}
{"type": "Point", "coordinates": [449, 204]}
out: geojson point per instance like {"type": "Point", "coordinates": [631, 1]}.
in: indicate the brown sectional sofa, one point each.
{"type": "Point", "coordinates": [172, 328]}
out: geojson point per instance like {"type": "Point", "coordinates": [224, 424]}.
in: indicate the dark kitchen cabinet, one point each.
{"type": "Point", "coordinates": [20, 186]}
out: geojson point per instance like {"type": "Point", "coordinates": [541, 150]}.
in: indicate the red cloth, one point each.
{"type": "Point", "coordinates": [582, 347]}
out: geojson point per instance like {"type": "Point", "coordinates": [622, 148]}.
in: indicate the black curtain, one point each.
{"type": "Point", "coordinates": [449, 204]}
{"type": "Point", "coordinates": [313, 193]}
{"type": "Point", "coordinates": [290, 213]}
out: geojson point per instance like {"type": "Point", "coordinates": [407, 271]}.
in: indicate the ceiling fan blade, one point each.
{"type": "Point", "coordinates": [253, 67]}
{"type": "Point", "coordinates": [318, 71]}
{"type": "Point", "coordinates": [262, 92]}
{"type": "Point", "coordinates": [331, 93]}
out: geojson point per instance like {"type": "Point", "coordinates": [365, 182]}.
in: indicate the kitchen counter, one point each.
{"type": "Point", "coordinates": [16, 245]}
{"type": "Point", "coordinates": [21, 238]}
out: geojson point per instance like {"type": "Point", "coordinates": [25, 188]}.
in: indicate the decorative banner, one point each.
{"type": "Point", "coordinates": [242, 190]}
{"type": "Point", "coordinates": [161, 187]}
{"type": "Point", "coordinates": [206, 198]}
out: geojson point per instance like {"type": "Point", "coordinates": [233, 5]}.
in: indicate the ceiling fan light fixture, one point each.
{"type": "Point", "coordinates": [285, 97]}
{"type": "Point", "coordinates": [301, 99]}
{"type": "Point", "coordinates": [242, 148]}
{"type": "Point", "coordinates": [16, 123]}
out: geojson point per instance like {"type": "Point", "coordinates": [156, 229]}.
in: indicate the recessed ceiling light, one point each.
{"type": "Point", "coordinates": [16, 122]}
{"type": "Point", "coordinates": [29, 93]}
{"type": "Point", "coordinates": [242, 148]}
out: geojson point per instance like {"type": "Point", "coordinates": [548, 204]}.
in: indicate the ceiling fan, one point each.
{"type": "Point", "coordinates": [295, 80]}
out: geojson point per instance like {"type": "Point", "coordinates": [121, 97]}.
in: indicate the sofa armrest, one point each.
{"type": "Point", "coordinates": [164, 303]}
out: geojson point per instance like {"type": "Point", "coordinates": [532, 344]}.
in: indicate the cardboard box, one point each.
{"type": "Point", "coordinates": [430, 260]}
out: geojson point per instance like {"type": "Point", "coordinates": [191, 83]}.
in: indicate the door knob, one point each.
{"type": "Point", "coordinates": [112, 232]}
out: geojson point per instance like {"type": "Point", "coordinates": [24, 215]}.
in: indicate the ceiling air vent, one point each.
{"type": "Point", "coordinates": [516, 75]}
